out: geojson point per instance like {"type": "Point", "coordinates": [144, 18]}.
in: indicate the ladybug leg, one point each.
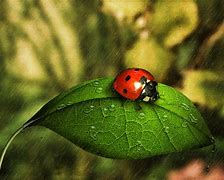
{"type": "Point", "coordinates": [137, 106]}
{"type": "Point", "coordinates": [123, 102]}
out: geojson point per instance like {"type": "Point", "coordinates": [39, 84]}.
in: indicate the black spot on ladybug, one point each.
{"type": "Point", "coordinates": [136, 69]}
{"type": "Point", "coordinates": [127, 77]}
{"type": "Point", "coordinates": [125, 91]}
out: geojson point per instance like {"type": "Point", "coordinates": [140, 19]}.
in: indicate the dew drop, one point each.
{"type": "Point", "coordinates": [193, 119]}
{"type": "Point", "coordinates": [214, 149]}
{"type": "Point", "coordinates": [69, 103]}
{"type": "Point", "coordinates": [61, 106]}
{"type": "Point", "coordinates": [105, 109]}
{"type": "Point", "coordinates": [166, 129]}
{"type": "Point", "coordinates": [112, 107]}
{"type": "Point", "coordinates": [139, 142]}
{"type": "Point", "coordinates": [164, 117]}
{"type": "Point", "coordinates": [93, 135]}
{"type": "Point", "coordinates": [184, 124]}
{"type": "Point", "coordinates": [185, 106]}
{"type": "Point", "coordinates": [96, 83]}
{"type": "Point", "coordinates": [93, 132]}
{"type": "Point", "coordinates": [89, 109]}
{"type": "Point", "coordinates": [141, 115]}
{"type": "Point", "coordinates": [140, 147]}
{"type": "Point", "coordinates": [99, 90]}
{"type": "Point", "coordinates": [212, 139]}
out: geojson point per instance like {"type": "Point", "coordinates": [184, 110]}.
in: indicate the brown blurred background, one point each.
{"type": "Point", "coordinates": [48, 46]}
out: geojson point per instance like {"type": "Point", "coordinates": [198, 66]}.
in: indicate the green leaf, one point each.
{"type": "Point", "coordinates": [97, 119]}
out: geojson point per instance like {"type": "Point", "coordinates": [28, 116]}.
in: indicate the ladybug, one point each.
{"type": "Point", "coordinates": [136, 84]}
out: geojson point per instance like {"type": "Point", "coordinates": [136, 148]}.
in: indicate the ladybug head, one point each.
{"type": "Point", "coordinates": [149, 93]}
{"type": "Point", "coordinates": [151, 85]}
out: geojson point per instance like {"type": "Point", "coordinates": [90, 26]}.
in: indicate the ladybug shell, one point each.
{"type": "Point", "coordinates": [128, 84]}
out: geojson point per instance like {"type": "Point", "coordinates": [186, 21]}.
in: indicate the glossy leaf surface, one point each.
{"type": "Point", "coordinates": [95, 118]}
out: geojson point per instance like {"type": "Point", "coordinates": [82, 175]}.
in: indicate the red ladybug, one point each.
{"type": "Point", "coordinates": [136, 84]}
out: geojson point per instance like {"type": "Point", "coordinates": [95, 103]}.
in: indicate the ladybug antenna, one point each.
{"type": "Point", "coordinates": [27, 124]}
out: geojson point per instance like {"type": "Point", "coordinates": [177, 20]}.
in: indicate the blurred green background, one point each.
{"type": "Point", "coordinates": [48, 46]}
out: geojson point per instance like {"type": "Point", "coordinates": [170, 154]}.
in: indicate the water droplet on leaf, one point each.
{"type": "Point", "coordinates": [139, 142]}
{"type": "Point", "coordinates": [69, 103]}
{"type": "Point", "coordinates": [184, 124]}
{"type": "Point", "coordinates": [105, 109]}
{"type": "Point", "coordinates": [164, 117]}
{"type": "Point", "coordinates": [93, 132]}
{"type": "Point", "coordinates": [166, 129]}
{"type": "Point", "coordinates": [214, 149]}
{"type": "Point", "coordinates": [89, 109]}
{"type": "Point", "coordinates": [193, 119]}
{"type": "Point", "coordinates": [112, 107]}
{"type": "Point", "coordinates": [212, 139]}
{"type": "Point", "coordinates": [140, 147]}
{"type": "Point", "coordinates": [141, 115]}
{"type": "Point", "coordinates": [61, 106]}
{"type": "Point", "coordinates": [185, 106]}
{"type": "Point", "coordinates": [99, 90]}
{"type": "Point", "coordinates": [96, 83]}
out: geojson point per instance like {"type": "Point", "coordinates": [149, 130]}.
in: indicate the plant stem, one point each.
{"type": "Point", "coordinates": [27, 124]}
